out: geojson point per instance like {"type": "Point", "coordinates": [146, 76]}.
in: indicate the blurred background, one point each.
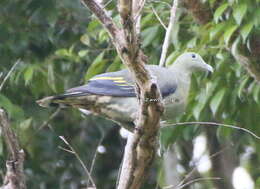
{"type": "Point", "coordinates": [61, 45]}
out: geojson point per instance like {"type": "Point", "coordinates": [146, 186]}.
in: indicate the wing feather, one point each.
{"type": "Point", "coordinates": [118, 84]}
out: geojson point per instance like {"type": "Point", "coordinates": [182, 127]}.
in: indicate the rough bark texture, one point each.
{"type": "Point", "coordinates": [141, 145]}
{"type": "Point", "coordinates": [14, 178]}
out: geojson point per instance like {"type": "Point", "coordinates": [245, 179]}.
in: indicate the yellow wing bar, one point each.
{"type": "Point", "coordinates": [108, 78]}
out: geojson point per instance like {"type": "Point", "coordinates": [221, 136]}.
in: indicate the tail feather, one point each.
{"type": "Point", "coordinates": [50, 102]}
{"type": "Point", "coordinates": [58, 100]}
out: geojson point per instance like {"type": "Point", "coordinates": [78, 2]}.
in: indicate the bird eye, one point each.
{"type": "Point", "coordinates": [193, 56]}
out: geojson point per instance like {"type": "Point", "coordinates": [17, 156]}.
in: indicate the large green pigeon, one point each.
{"type": "Point", "coordinates": [112, 95]}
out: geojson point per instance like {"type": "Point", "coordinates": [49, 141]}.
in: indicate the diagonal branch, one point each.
{"type": "Point", "coordinates": [103, 17]}
{"type": "Point", "coordinates": [141, 145]}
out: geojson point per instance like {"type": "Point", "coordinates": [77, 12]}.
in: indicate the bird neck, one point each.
{"type": "Point", "coordinates": [181, 68]}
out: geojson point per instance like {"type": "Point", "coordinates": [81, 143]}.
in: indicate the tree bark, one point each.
{"type": "Point", "coordinates": [14, 178]}
{"type": "Point", "coordinates": [141, 145]}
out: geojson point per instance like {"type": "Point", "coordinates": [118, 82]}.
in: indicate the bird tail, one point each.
{"type": "Point", "coordinates": [63, 100]}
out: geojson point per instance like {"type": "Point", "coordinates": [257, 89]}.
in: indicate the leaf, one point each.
{"type": "Point", "coordinates": [85, 39]}
{"type": "Point", "coordinates": [217, 30]}
{"type": "Point", "coordinates": [96, 67]}
{"type": "Point", "coordinates": [170, 59]}
{"type": "Point", "coordinates": [256, 16]}
{"type": "Point", "coordinates": [103, 36]}
{"type": "Point", "coordinates": [82, 53]}
{"type": "Point", "coordinates": [51, 78]}
{"type": "Point", "coordinates": [246, 29]}
{"type": "Point", "coordinates": [168, 135]}
{"type": "Point", "coordinates": [235, 46]}
{"type": "Point", "coordinates": [220, 10]}
{"type": "Point", "coordinates": [242, 86]}
{"type": "Point", "coordinates": [28, 74]}
{"type": "Point", "coordinates": [201, 102]}
{"type": "Point", "coordinates": [175, 35]}
{"type": "Point", "coordinates": [239, 12]}
{"type": "Point", "coordinates": [230, 30]}
{"type": "Point", "coordinates": [26, 124]}
{"type": "Point", "coordinates": [212, 2]}
{"type": "Point", "coordinates": [93, 25]}
{"type": "Point", "coordinates": [115, 66]}
{"type": "Point", "coordinates": [223, 132]}
{"type": "Point", "coordinates": [1, 146]}
{"type": "Point", "coordinates": [147, 19]}
{"type": "Point", "coordinates": [149, 35]}
{"type": "Point", "coordinates": [256, 92]}
{"type": "Point", "coordinates": [12, 109]}
{"type": "Point", "coordinates": [257, 184]}
{"type": "Point", "coordinates": [62, 52]}
{"type": "Point", "coordinates": [192, 43]}
{"type": "Point", "coordinates": [216, 100]}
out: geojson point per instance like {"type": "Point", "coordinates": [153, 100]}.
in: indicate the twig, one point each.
{"type": "Point", "coordinates": [44, 124]}
{"type": "Point", "coordinates": [193, 181]}
{"type": "Point", "coordinates": [9, 73]}
{"type": "Point", "coordinates": [14, 178]}
{"type": "Point", "coordinates": [195, 166]}
{"type": "Point", "coordinates": [106, 4]}
{"type": "Point", "coordinates": [214, 124]}
{"type": "Point", "coordinates": [138, 9]}
{"type": "Point", "coordinates": [79, 159]}
{"type": "Point", "coordinates": [158, 17]}
{"type": "Point", "coordinates": [168, 33]}
{"type": "Point", "coordinates": [94, 158]}
{"type": "Point", "coordinates": [66, 150]}
{"type": "Point", "coordinates": [162, 2]}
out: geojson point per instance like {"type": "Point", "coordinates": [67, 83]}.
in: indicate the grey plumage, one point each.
{"type": "Point", "coordinates": [112, 95]}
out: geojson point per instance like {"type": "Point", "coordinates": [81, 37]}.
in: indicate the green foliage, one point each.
{"type": "Point", "coordinates": [62, 46]}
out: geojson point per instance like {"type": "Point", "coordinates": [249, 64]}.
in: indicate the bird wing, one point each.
{"type": "Point", "coordinates": [110, 84]}
{"type": "Point", "coordinates": [119, 84]}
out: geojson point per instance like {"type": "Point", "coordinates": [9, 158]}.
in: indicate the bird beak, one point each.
{"type": "Point", "coordinates": [209, 68]}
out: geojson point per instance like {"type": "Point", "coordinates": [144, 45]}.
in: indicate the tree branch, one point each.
{"type": "Point", "coordinates": [14, 178]}
{"type": "Point", "coordinates": [9, 73]}
{"type": "Point", "coordinates": [103, 17]}
{"type": "Point", "coordinates": [141, 145]}
{"type": "Point", "coordinates": [167, 38]}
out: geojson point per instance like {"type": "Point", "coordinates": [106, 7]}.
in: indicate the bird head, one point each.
{"type": "Point", "coordinates": [191, 62]}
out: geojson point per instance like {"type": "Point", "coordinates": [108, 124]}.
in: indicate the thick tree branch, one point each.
{"type": "Point", "coordinates": [141, 145]}
{"type": "Point", "coordinates": [103, 17]}
{"type": "Point", "coordinates": [14, 178]}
